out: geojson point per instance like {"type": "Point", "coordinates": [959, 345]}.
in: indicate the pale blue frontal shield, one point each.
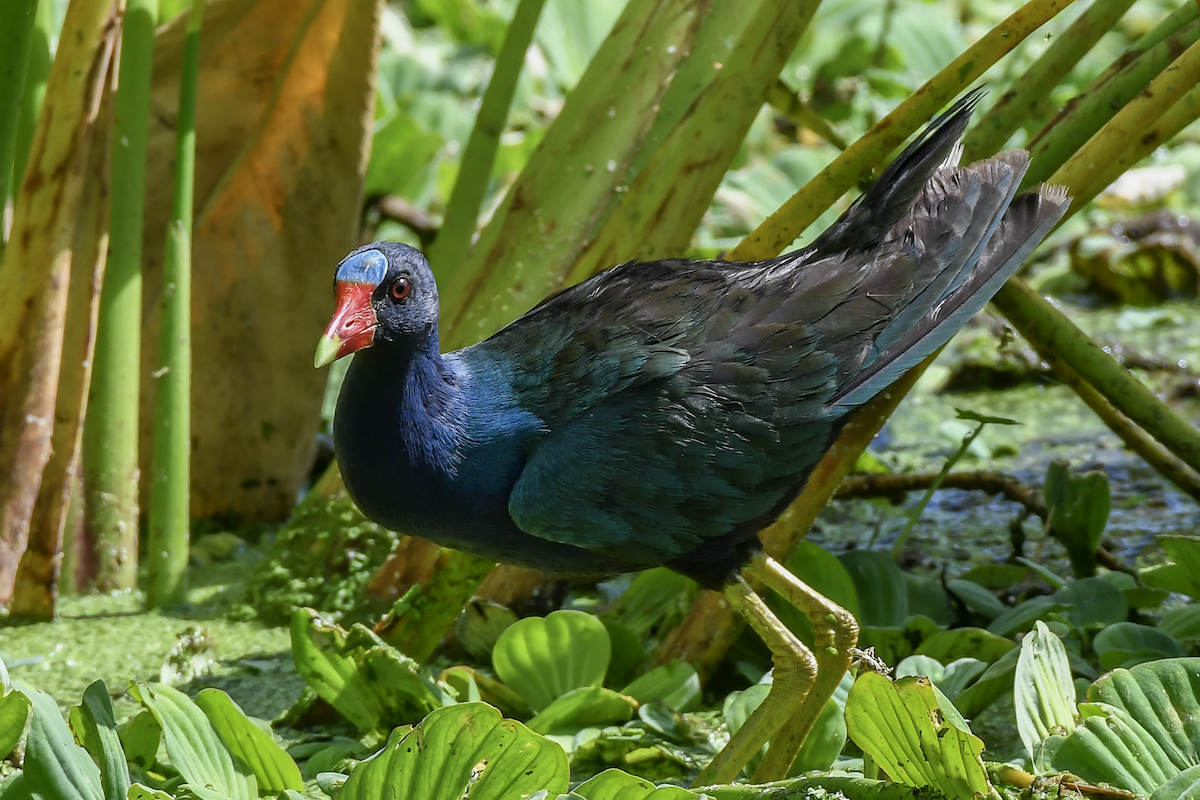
{"type": "Point", "coordinates": [369, 266]}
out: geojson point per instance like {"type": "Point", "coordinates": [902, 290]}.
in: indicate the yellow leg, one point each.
{"type": "Point", "coordinates": [836, 632]}
{"type": "Point", "coordinates": [795, 672]}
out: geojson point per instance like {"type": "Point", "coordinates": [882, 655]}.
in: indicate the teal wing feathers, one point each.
{"type": "Point", "coordinates": [682, 401]}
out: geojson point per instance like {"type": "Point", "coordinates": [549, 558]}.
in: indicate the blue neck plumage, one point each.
{"type": "Point", "coordinates": [419, 392]}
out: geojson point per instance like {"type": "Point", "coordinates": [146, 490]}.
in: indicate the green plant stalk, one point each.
{"type": "Point", "coordinates": [559, 199]}
{"type": "Point", "coordinates": [1048, 329]}
{"type": "Point", "coordinates": [915, 514]}
{"type": "Point", "coordinates": [111, 430]}
{"type": "Point", "coordinates": [1121, 144]}
{"type": "Point", "coordinates": [16, 32]}
{"type": "Point", "coordinates": [37, 72]}
{"type": "Point", "coordinates": [1185, 111]}
{"type": "Point", "coordinates": [793, 217]}
{"type": "Point", "coordinates": [1028, 94]}
{"type": "Point", "coordinates": [170, 471]}
{"type": "Point", "coordinates": [1169, 103]}
{"type": "Point", "coordinates": [1168, 25]}
{"type": "Point", "coordinates": [475, 171]}
{"type": "Point", "coordinates": [713, 52]}
{"type": "Point", "coordinates": [1081, 170]}
{"type": "Point", "coordinates": [1174, 23]}
{"type": "Point", "coordinates": [1071, 129]}
{"type": "Point", "coordinates": [659, 213]}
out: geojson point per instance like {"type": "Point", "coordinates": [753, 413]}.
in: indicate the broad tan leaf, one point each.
{"type": "Point", "coordinates": [286, 94]}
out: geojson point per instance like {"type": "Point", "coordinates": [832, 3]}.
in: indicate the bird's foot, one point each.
{"type": "Point", "coordinates": [793, 680]}
{"type": "Point", "coordinates": [836, 633]}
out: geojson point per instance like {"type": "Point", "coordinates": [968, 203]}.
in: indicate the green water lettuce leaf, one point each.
{"type": "Point", "coordinates": [1141, 727]}
{"type": "Point", "coordinates": [465, 751]}
{"type": "Point", "coordinates": [904, 729]}
{"type": "Point", "coordinates": [1043, 692]}
{"type": "Point", "coordinates": [55, 767]}
{"type": "Point", "coordinates": [193, 745]}
{"type": "Point", "coordinates": [543, 658]}
{"type": "Point", "coordinates": [274, 769]}
{"type": "Point", "coordinates": [94, 727]}
{"type": "Point", "coordinates": [14, 713]}
{"type": "Point", "coordinates": [369, 682]}
{"type": "Point", "coordinates": [613, 784]}
{"type": "Point", "coordinates": [676, 684]}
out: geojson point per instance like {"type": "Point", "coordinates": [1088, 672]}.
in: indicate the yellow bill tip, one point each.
{"type": "Point", "coordinates": [327, 350]}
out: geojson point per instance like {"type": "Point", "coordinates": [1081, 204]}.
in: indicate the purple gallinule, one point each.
{"type": "Point", "coordinates": [662, 413]}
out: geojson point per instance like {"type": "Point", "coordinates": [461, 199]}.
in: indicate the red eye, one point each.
{"type": "Point", "coordinates": [401, 289]}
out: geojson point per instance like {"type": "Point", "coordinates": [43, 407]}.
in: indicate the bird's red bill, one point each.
{"type": "Point", "coordinates": [353, 325]}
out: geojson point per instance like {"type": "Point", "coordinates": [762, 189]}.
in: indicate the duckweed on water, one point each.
{"type": "Point", "coordinates": [111, 637]}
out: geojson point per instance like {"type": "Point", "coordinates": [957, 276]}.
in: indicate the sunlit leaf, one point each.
{"type": "Point", "coordinates": [14, 713]}
{"type": "Point", "coordinates": [369, 682]}
{"type": "Point", "coordinates": [193, 746]}
{"type": "Point", "coordinates": [613, 784]}
{"type": "Point", "coordinates": [97, 731]}
{"type": "Point", "coordinates": [140, 737]}
{"type": "Point", "coordinates": [55, 767]}
{"type": "Point", "coordinates": [466, 750]}
{"type": "Point", "coordinates": [543, 658]}
{"type": "Point", "coordinates": [1043, 692]}
{"type": "Point", "coordinates": [676, 684]}
{"type": "Point", "coordinates": [272, 767]}
{"type": "Point", "coordinates": [902, 727]}
{"type": "Point", "coordinates": [584, 707]}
